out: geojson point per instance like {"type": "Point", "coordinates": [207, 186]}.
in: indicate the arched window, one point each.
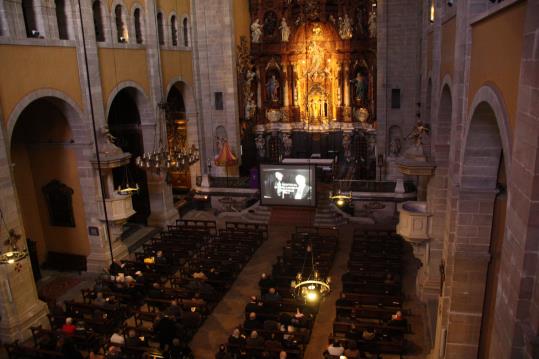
{"type": "Point", "coordinates": [174, 30]}
{"type": "Point", "coordinates": [138, 31]}
{"type": "Point", "coordinates": [61, 19]}
{"type": "Point", "coordinates": [120, 26]}
{"type": "Point", "coordinates": [29, 16]}
{"type": "Point", "coordinates": [98, 21]}
{"type": "Point", "coordinates": [160, 32]}
{"type": "Point", "coordinates": [185, 32]}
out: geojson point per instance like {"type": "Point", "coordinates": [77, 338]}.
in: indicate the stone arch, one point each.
{"type": "Point", "coordinates": [31, 141]}
{"type": "Point", "coordinates": [187, 92]}
{"type": "Point", "coordinates": [140, 98]}
{"type": "Point", "coordinates": [490, 95]}
{"type": "Point", "coordinates": [74, 114]}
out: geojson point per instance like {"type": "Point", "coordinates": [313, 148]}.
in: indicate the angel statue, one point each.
{"type": "Point", "coordinates": [285, 30]}
{"type": "Point", "coordinates": [256, 31]}
{"type": "Point", "coordinates": [420, 130]}
{"type": "Point", "coordinates": [260, 146]}
{"type": "Point", "coordinates": [345, 27]}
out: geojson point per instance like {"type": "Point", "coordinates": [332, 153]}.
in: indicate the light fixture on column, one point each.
{"type": "Point", "coordinates": [311, 289]}
{"type": "Point", "coordinates": [14, 254]}
{"type": "Point", "coordinates": [176, 156]}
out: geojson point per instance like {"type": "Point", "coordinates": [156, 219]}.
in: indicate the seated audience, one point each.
{"type": "Point", "coordinates": [335, 348]}
{"type": "Point", "coordinates": [68, 328]}
{"type": "Point", "coordinates": [272, 295]}
{"type": "Point", "coordinates": [255, 340]}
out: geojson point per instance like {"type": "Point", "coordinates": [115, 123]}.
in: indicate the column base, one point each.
{"type": "Point", "coordinates": [162, 219]}
{"type": "Point", "coordinates": [18, 327]}
{"type": "Point", "coordinates": [96, 262]}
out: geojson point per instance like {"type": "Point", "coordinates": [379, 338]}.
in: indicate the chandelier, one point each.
{"type": "Point", "coordinates": [341, 198]}
{"type": "Point", "coordinates": [14, 254]}
{"type": "Point", "coordinates": [178, 155]}
{"type": "Point", "coordinates": [312, 288]}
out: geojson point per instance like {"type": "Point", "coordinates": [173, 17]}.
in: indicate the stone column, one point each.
{"type": "Point", "coordinates": [346, 81]}
{"type": "Point", "coordinates": [285, 85]}
{"type": "Point", "coordinates": [163, 211]}
{"type": "Point", "coordinates": [20, 308]}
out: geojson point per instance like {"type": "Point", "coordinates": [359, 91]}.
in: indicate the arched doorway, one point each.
{"type": "Point", "coordinates": [484, 154]}
{"type": "Point", "coordinates": [47, 180]}
{"type": "Point", "coordinates": [177, 133]}
{"type": "Point", "coordinates": [124, 124]}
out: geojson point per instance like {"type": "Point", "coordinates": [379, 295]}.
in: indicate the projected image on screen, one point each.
{"type": "Point", "coordinates": [287, 185]}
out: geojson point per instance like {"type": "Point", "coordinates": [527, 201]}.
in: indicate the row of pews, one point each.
{"type": "Point", "coordinates": [369, 311]}
{"type": "Point", "coordinates": [165, 293]}
{"type": "Point", "coordinates": [283, 322]}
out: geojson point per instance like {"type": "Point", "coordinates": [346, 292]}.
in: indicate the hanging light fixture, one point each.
{"type": "Point", "coordinates": [178, 155]}
{"type": "Point", "coordinates": [313, 288]}
{"type": "Point", "coordinates": [341, 198]}
{"type": "Point", "coordinates": [14, 254]}
{"type": "Point", "coordinates": [129, 186]}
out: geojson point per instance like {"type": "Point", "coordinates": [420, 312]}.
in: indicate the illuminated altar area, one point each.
{"type": "Point", "coordinates": [307, 82]}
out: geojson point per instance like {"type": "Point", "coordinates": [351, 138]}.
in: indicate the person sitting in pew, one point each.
{"type": "Point", "coordinates": [352, 352]}
{"type": "Point", "coordinates": [253, 305]}
{"type": "Point", "coordinates": [397, 320]}
{"type": "Point", "coordinates": [160, 258]}
{"type": "Point", "coordinates": [117, 338]}
{"type": "Point", "coordinates": [272, 343]}
{"type": "Point", "coordinates": [70, 350]}
{"type": "Point", "coordinates": [265, 283]}
{"type": "Point", "coordinates": [222, 353]}
{"type": "Point", "coordinates": [99, 298]}
{"type": "Point", "coordinates": [116, 267]}
{"type": "Point", "coordinates": [272, 295]}
{"type": "Point", "coordinates": [335, 348]}
{"type": "Point", "coordinates": [255, 340]}
{"type": "Point", "coordinates": [236, 338]}
{"type": "Point", "coordinates": [197, 300]}
{"type": "Point", "coordinates": [68, 328]}
{"type": "Point", "coordinates": [165, 329]}
{"type": "Point", "coordinates": [283, 354]}
{"type": "Point", "coordinates": [133, 340]}
{"type": "Point", "coordinates": [252, 323]}
{"type": "Point", "coordinates": [191, 319]}
{"type": "Point", "coordinates": [200, 275]}
{"type": "Point", "coordinates": [369, 334]}
{"type": "Point", "coordinates": [178, 350]}
{"type": "Point", "coordinates": [173, 310]}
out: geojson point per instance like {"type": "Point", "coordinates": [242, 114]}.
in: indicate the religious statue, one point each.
{"type": "Point", "coordinates": [345, 27]}
{"type": "Point", "coordinates": [272, 89]}
{"type": "Point", "coordinates": [287, 144]}
{"type": "Point", "coordinates": [347, 146]}
{"type": "Point", "coordinates": [372, 24]}
{"type": "Point", "coordinates": [418, 133]}
{"type": "Point", "coordinates": [260, 146]}
{"type": "Point", "coordinates": [395, 147]}
{"type": "Point", "coordinates": [250, 109]}
{"type": "Point", "coordinates": [256, 31]}
{"type": "Point", "coordinates": [360, 87]}
{"type": "Point", "coordinates": [285, 30]}
{"type": "Point", "coordinates": [109, 142]}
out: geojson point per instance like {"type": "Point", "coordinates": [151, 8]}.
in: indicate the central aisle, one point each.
{"type": "Point", "coordinates": [323, 326]}
{"type": "Point", "coordinates": [229, 313]}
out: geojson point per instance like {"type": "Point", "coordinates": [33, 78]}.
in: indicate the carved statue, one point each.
{"type": "Point", "coordinates": [272, 89]}
{"type": "Point", "coordinates": [360, 87]}
{"type": "Point", "coordinates": [347, 146]}
{"type": "Point", "coordinates": [418, 133]}
{"type": "Point", "coordinates": [395, 147]}
{"type": "Point", "coordinates": [372, 24]}
{"type": "Point", "coordinates": [260, 146]}
{"type": "Point", "coordinates": [250, 109]}
{"type": "Point", "coordinates": [287, 144]}
{"type": "Point", "coordinates": [345, 27]}
{"type": "Point", "coordinates": [109, 146]}
{"type": "Point", "coordinates": [256, 31]}
{"type": "Point", "coordinates": [285, 30]}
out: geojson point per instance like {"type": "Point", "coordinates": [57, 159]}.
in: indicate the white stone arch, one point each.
{"type": "Point", "coordinates": [490, 95]}
{"type": "Point", "coordinates": [169, 29]}
{"type": "Point", "coordinates": [191, 114]}
{"type": "Point", "coordinates": [141, 99]}
{"type": "Point", "coordinates": [125, 20]}
{"type": "Point", "coordinates": [132, 28]}
{"type": "Point", "coordinates": [66, 104]}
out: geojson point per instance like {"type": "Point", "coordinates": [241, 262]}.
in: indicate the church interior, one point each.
{"type": "Point", "coordinates": [247, 179]}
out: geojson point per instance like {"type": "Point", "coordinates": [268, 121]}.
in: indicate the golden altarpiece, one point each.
{"type": "Point", "coordinates": [307, 81]}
